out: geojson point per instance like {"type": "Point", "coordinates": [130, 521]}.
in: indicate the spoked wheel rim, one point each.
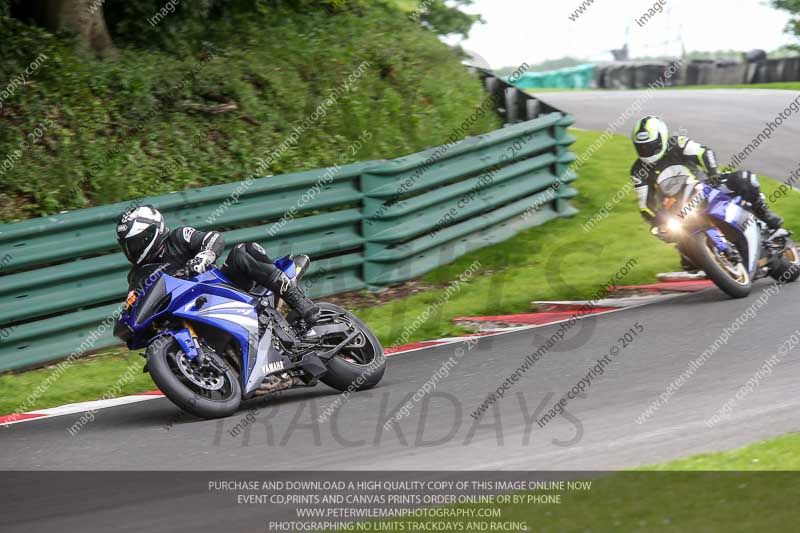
{"type": "Point", "coordinates": [359, 351]}
{"type": "Point", "coordinates": [358, 355]}
{"type": "Point", "coordinates": [737, 272]}
{"type": "Point", "coordinates": [791, 254]}
{"type": "Point", "coordinates": [204, 380]}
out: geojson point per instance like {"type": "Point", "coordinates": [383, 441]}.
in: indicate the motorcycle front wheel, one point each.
{"type": "Point", "coordinates": [209, 390]}
{"type": "Point", "coordinates": [732, 279]}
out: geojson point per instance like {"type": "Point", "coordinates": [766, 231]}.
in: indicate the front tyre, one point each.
{"type": "Point", "coordinates": [787, 268]}
{"type": "Point", "coordinates": [732, 279]}
{"type": "Point", "coordinates": [207, 391]}
{"type": "Point", "coordinates": [358, 366]}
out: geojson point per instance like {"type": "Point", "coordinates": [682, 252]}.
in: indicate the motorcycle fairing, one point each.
{"type": "Point", "coordinates": [186, 342]}
{"type": "Point", "coordinates": [226, 308]}
{"type": "Point", "coordinates": [729, 210]}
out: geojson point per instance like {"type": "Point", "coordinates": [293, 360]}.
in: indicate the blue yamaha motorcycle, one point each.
{"type": "Point", "coordinates": [211, 345]}
{"type": "Point", "coordinates": [719, 233]}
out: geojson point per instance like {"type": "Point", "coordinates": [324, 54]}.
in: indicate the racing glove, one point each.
{"type": "Point", "coordinates": [200, 263]}
{"type": "Point", "coordinates": [715, 180]}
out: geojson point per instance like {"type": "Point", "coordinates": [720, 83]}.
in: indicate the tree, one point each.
{"type": "Point", "coordinates": [793, 7]}
{"type": "Point", "coordinates": [444, 18]}
{"type": "Point", "coordinates": [83, 18]}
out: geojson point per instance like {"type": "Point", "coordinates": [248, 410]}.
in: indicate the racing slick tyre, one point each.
{"type": "Point", "coordinates": [208, 391]}
{"type": "Point", "coordinates": [359, 366]}
{"type": "Point", "coordinates": [787, 268]}
{"type": "Point", "coordinates": [734, 280]}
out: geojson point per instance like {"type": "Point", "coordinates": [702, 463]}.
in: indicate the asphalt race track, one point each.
{"type": "Point", "coordinates": [727, 120]}
{"type": "Point", "coordinates": [598, 432]}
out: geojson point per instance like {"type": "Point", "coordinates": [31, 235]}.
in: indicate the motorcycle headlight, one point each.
{"type": "Point", "coordinates": [674, 225]}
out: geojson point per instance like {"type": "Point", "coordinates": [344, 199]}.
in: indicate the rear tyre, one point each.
{"type": "Point", "coordinates": [207, 393]}
{"type": "Point", "coordinates": [787, 268]}
{"type": "Point", "coordinates": [354, 368]}
{"type": "Point", "coordinates": [734, 280]}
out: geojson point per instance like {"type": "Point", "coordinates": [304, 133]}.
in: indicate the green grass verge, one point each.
{"type": "Point", "coordinates": [716, 492]}
{"type": "Point", "coordinates": [778, 454]}
{"type": "Point", "coordinates": [556, 261]}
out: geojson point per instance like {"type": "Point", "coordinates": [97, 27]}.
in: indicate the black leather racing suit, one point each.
{"type": "Point", "coordinates": [701, 161]}
{"type": "Point", "coordinates": [247, 265]}
{"type": "Point", "coordinates": [178, 247]}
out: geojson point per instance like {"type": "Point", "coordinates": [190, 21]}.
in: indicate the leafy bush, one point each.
{"type": "Point", "coordinates": [151, 121]}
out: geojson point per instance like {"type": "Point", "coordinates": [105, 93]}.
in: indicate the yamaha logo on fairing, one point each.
{"type": "Point", "coordinates": [273, 367]}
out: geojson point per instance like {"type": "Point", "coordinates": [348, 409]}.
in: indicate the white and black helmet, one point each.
{"type": "Point", "coordinates": [140, 233]}
{"type": "Point", "coordinates": [651, 139]}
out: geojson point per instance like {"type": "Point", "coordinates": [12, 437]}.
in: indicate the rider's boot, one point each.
{"type": "Point", "coordinates": [296, 298]}
{"type": "Point", "coordinates": [769, 217]}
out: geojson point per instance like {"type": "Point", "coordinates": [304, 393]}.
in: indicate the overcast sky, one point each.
{"type": "Point", "coordinates": [535, 30]}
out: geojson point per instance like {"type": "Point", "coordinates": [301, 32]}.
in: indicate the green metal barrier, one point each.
{"type": "Point", "coordinates": [578, 77]}
{"type": "Point", "coordinates": [364, 225]}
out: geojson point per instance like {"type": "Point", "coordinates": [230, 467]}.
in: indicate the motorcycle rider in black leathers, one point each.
{"type": "Point", "coordinates": [145, 240]}
{"type": "Point", "coordinates": [660, 155]}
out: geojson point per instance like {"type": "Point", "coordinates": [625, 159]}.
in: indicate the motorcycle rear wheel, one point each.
{"type": "Point", "coordinates": [787, 269]}
{"type": "Point", "coordinates": [163, 361]}
{"type": "Point", "coordinates": [354, 369]}
{"type": "Point", "coordinates": [734, 280]}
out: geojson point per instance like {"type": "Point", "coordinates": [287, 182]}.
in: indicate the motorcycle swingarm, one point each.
{"type": "Point", "coordinates": [329, 329]}
{"type": "Point", "coordinates": [326, 356]}
{"type": "Point", "coordinates": [314, 364]}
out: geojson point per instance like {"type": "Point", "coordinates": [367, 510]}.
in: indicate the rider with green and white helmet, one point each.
{"type": "Point", "coordinates": [661, 153]}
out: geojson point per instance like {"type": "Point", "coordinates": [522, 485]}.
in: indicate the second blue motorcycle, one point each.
{"type": "Point", "coordinates": [720, 234]}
